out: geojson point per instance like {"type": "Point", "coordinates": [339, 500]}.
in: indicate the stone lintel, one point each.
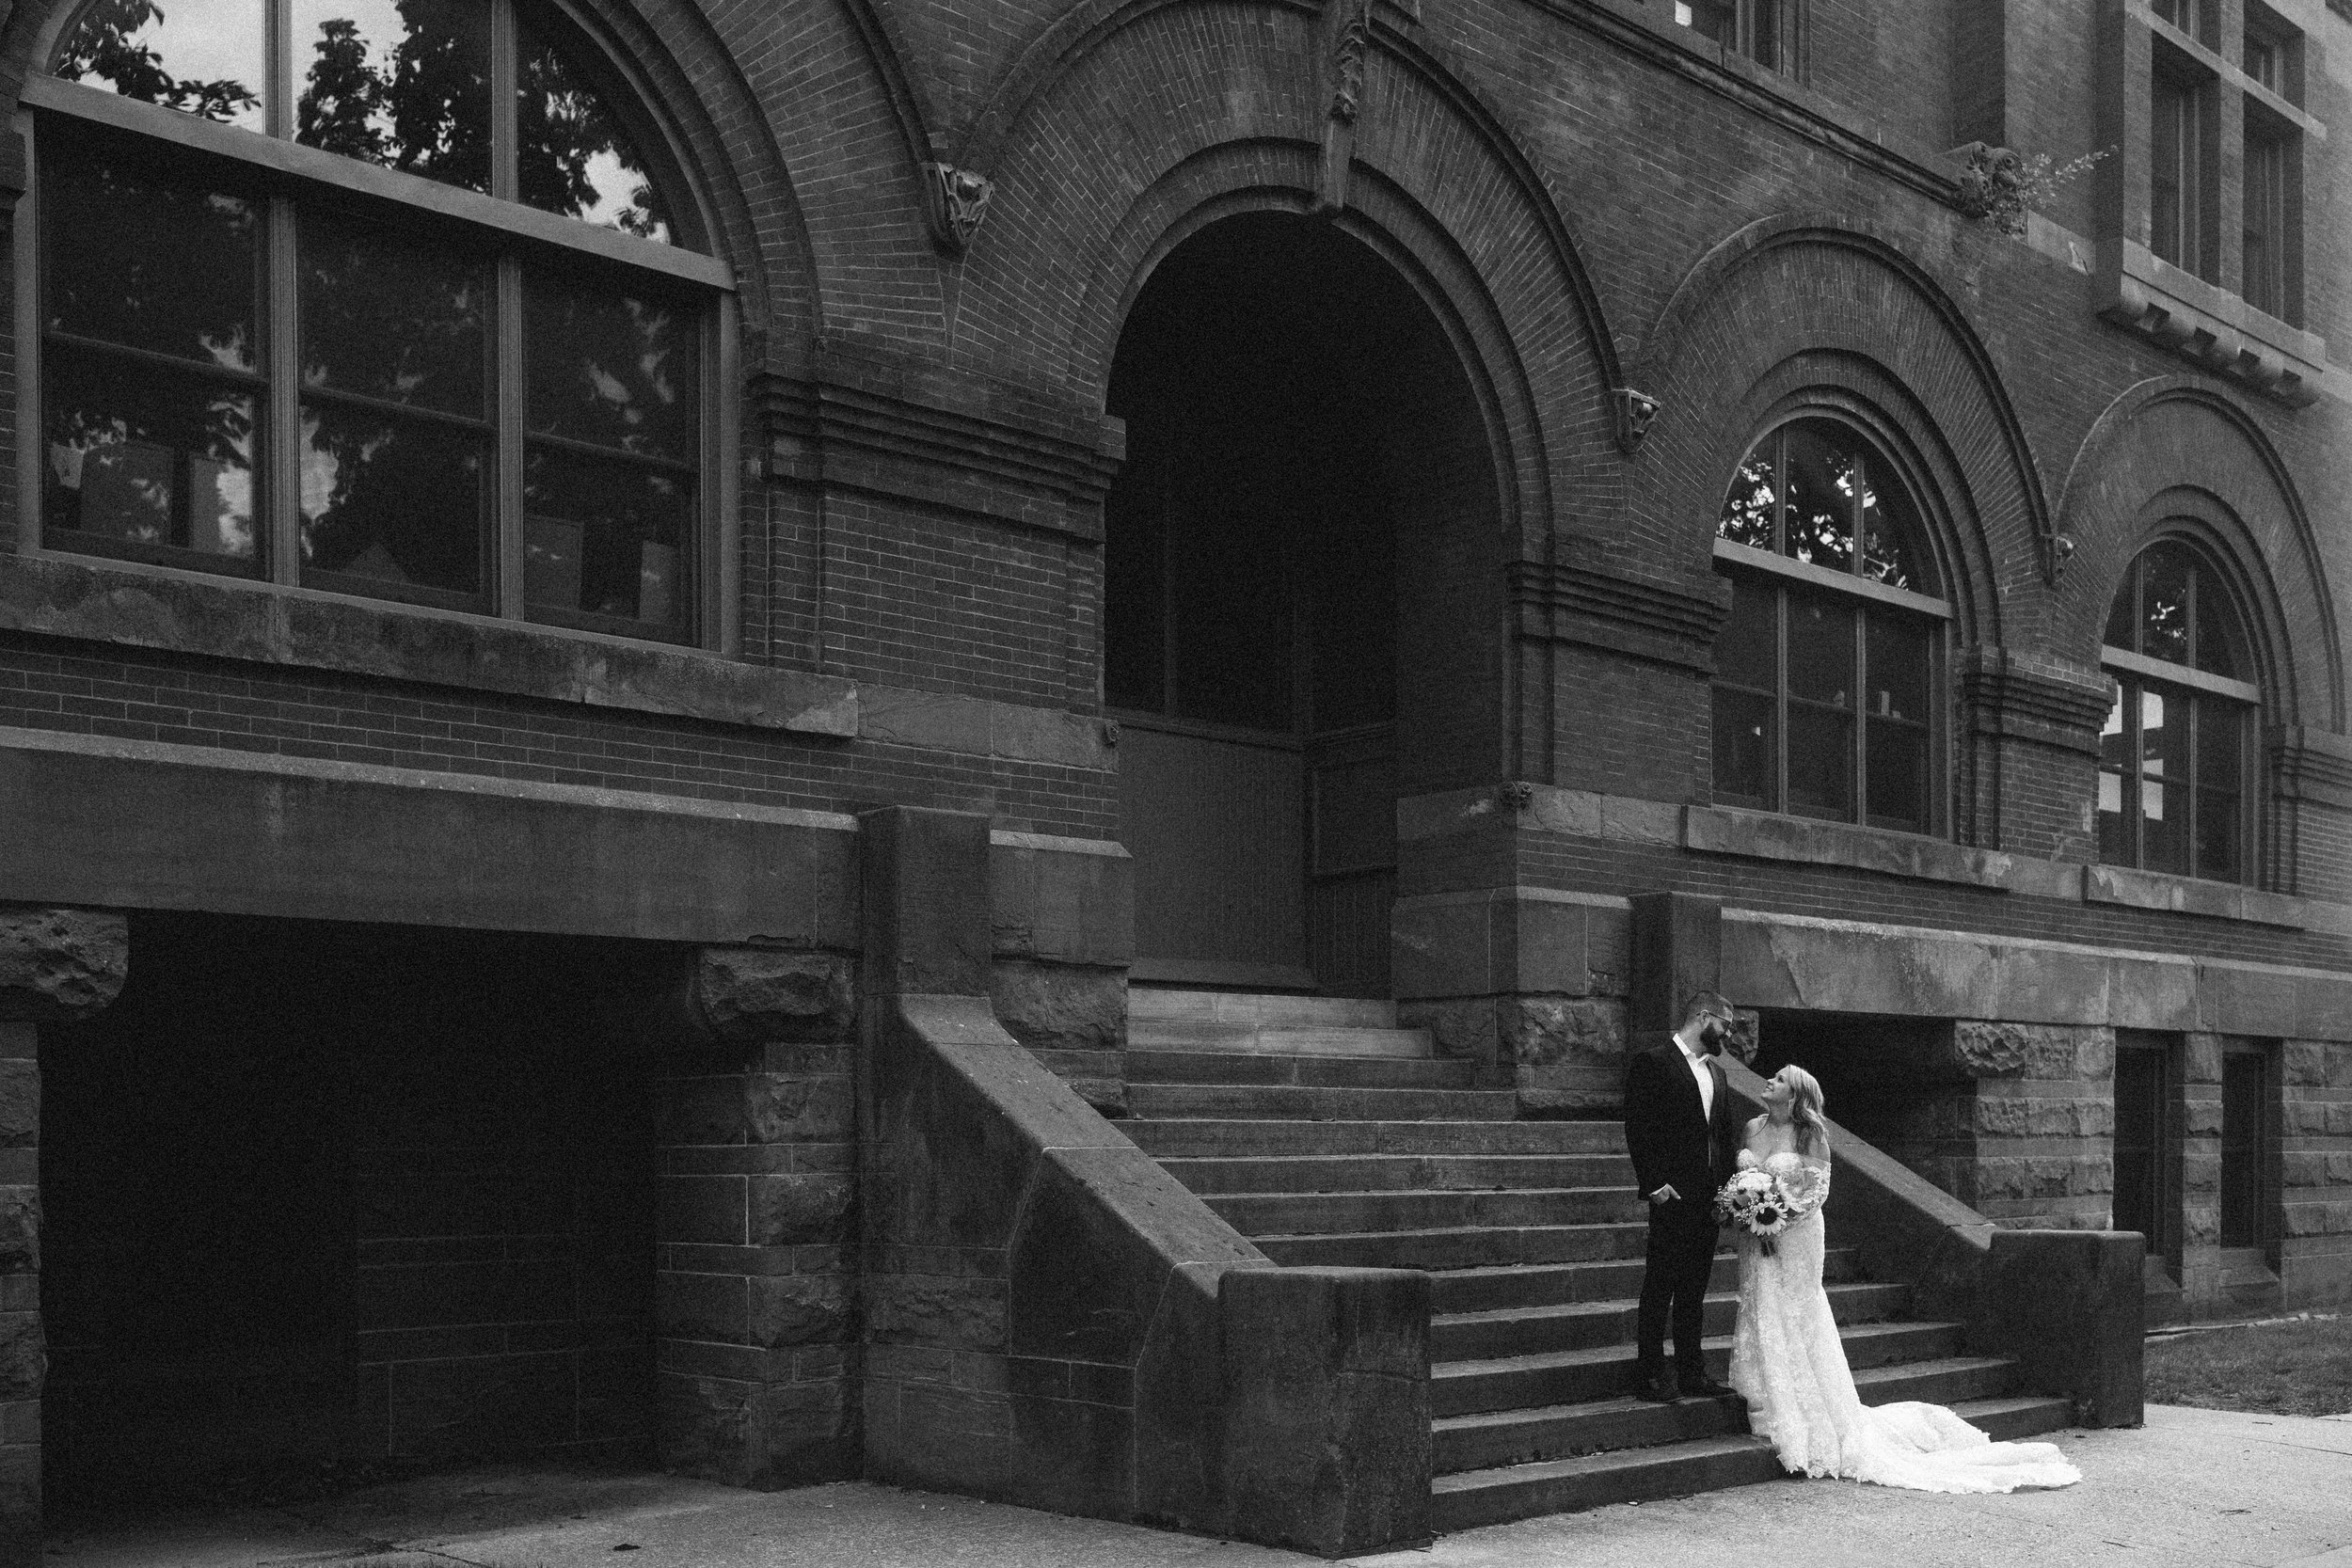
{"type": "Point", "coordinates": [60, 964]}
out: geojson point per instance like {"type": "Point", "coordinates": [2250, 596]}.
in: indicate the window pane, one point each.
{"type": "Point", "coordinates": [402, 82]}
{"type": "Point", "coordinates": [2115, 764]}
{"type": "Point", "coordinates": [1896, 773]}
{"type": "Point", "coordinates": [1744, 749]}
{"type": "Point", "coordinates": [1747, 650]}
{"type": "Point", "coordinates": [1747, 517]}
{"type": "Point", "coordinates": [1898, 665]}
{"type": "Point", "coordinates": [397, 500]}
{"type": "Point", "coordinates": [1888, 526]}
{"type": "Point", "coordinates": [2172, 174]}
{"type": "Point", "coordinates": [391, 321]}
{"type": "Point", "coordinates": [148, 456]}
{"type": "Point", "coordinates": [1820, 651]}
{"type": "Point", "coordinates": [205, 58]}
{"type": "Point", "coordinates": [2219, 638]}
{"type": "Point", "coordinates": [1822, 480]}
{"type": "Point", "coordinates": [612, 368]}
{"type": "Point", "coordinates": [575, 156]}
{"type": "Point", "coordinates": [1821, 761]}
{"type": "Point", "coordinates": [2123, 614]}
{"type": "Point", "coordinates": [606, 538]}
{"type": "Point", "coordinates": [2168, 570]}
{"type": "Point", "coordinates": [2263, 248]}
{"type": "Point", "coordinates": [134, 260]}
{"type": "Point", "coordinates": [2164, 784]}
{"type": "Point", "coordinates": [2221, 757]}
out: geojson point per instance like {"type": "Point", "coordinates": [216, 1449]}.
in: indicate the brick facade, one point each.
{"type": "Point", "coordinates": [1586, 202]}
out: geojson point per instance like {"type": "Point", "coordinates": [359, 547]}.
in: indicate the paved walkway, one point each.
{"type": "Point", "coordinates": [2193, 1489]}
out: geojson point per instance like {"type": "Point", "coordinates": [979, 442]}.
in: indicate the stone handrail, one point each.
{"type": "Point", "coordinates": [2066, 1303]}
{"type": "Point", "coordinates": [1140, 1359]}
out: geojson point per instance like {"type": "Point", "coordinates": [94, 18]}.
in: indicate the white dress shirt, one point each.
{"type": "Point", "coordinates": [1706, 1079]}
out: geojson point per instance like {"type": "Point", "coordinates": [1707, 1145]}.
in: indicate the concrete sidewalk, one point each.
{"type": "Point", "coordinates": [2193, 1489]}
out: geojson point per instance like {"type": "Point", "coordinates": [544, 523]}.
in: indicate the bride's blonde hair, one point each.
{"type": "Point", "coordinates": [1812, 1130]}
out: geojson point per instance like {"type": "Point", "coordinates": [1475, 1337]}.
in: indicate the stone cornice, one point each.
{"type": "Point", "coordinates": [850, 422]}
{"type": "Point", "coordinates": [2038, 700]}
{"type": "Point", "coordinates": [1662, 621]}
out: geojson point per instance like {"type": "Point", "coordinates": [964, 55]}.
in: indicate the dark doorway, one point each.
{"type": "Point", "coordinates": [320, 1200]}
{"type": "Point", "coordinates": [1888, 1080]}
{"type": "Point", "coordinates": [2146, 1178]}
{"type": "Point", "coordinates": [1295, 416]}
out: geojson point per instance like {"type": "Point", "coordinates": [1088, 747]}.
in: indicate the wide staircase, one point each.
{"type": "Point", "coordinates": [1330, 1136]}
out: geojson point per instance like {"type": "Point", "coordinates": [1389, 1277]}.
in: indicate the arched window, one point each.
{"type": "Point", "coordinates": [2176, 759]}
{"type": "Point", "coordinates": [384, 298]}
{"type": "Point", "coordinates": [1828, 671]}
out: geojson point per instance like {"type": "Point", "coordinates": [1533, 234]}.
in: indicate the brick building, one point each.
{"type": "Point", "coordinates": [585, 575]}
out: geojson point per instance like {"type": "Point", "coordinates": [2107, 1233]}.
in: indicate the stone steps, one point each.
{"type": "Point", "coordinates": [1327, 1213]}
{"type": "Point", "coordinates": [1290, 1103]}
{"type": "Point", "coordinates": [1380, 1155]}
{"type": "Point", "coordinates": [1573, 1376]}
{"type": "Point", "coordinates": [1166, 1136]}
{"type": "Point", "coordinates": [1578, 1326]}
{"type": "Point", "coordinates": [1456, 1248]}
{"type": "Point", "coordinates": [1363, 1072]}
{"type": "Point", "coordinates": [1381, 1173]}
{"type": "Point", "coordinates": [1677, 1466]}
{"type": "Point", "coordinates": [1506, 1284]}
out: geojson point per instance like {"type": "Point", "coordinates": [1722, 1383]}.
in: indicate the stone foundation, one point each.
{"type": "Point", "coordinates": [2315, 1156]}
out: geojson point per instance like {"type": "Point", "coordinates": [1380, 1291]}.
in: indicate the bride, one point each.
{"type": "Point", "coordinates": [1788, 1362]}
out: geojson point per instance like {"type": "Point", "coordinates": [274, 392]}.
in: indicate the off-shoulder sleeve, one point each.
{"type": "Point", "coordinates": [1807, 1184]}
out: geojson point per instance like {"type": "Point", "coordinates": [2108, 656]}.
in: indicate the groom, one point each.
{"type": "Point", "coordinates": [1680, 1130]}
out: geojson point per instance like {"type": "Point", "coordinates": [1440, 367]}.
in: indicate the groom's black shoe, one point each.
{"type": "Point", "coordinates": [1658, 1390]}
{"type": "Point", "coordinates": [1698, 1385]}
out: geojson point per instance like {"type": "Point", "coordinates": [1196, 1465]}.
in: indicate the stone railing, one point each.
{"type": "Point", "coordinates": [2067, 1305]}
{"type": "Point", "coordinates": [1050, 1318]}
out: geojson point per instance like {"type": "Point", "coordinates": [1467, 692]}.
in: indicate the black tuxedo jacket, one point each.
{"type": "Point", "coordinates": [1672, 1139]}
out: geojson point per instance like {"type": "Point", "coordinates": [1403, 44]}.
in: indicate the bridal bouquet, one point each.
{"type": "Point", "coordinates": [1755, 1201]}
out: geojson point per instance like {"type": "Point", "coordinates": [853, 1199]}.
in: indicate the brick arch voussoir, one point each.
{"type": "Point", "coordinates": [1808, 282]}
{"type": "Point", "coordinates": [2180, 435]}
{"type": "Point", "coordinates": [1042, 127]}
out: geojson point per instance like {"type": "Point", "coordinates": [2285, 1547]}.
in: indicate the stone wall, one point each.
{"type": "Point", "coordinates": [2041, 1127]}
{"type": "Point", "coordinates": [2315, 1211]}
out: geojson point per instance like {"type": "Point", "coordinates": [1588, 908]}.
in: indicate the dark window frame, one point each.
{"type": "Point", "coordinates": [286, 178]}
{"type": "Point", "coordinates": [2249, 1174]}
{"type": "Point", "coordinates": [2183, 176]}
{"type": "Point", "coordinates": [1769, 32]}
{"type": "Point", "coordinates": [1795, 586]}
{"type": "Point", "coordinates": [2206, 696]}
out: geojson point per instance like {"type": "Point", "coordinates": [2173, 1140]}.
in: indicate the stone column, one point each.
{"type": "Point", "coordinates": [2200, 1114]}
{"type": "Point", "coordinates": [755, 1219]}
{"type": "Point", "coordinates": [2316, 1196]}
{"type": "Point", "coordinates": [2043, 1123]}
{"type": "Point", "coordinates": [55, 965]}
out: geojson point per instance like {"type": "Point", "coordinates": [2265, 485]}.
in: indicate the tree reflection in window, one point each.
{"type": "Point", "coordinates": [1823, 697]}
{"type": "Point", "coordinates": [168, 407]}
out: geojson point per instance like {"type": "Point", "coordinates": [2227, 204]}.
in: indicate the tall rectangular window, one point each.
{"type": "Point", "coordinates": [2265, 244]}
{"type": "Point", "coordinates": [2176, 159]}
{"type": "Point", "coordinates": [1757, 28]}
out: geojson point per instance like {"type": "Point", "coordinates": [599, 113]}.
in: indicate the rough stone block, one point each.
{"type": "Point", "coordinates": [747, 995]}
{"type": "Point", "coordinates": [2200, 1059]}
{"type": "Point", "coordinates": [925, 901]}
{"type": "Point", "coordinates": [20, 1103]}
{"type": "Point", "coordinates": [1049, 1006]}
{"type": "Point", "coordinates": [700, 1307]}
{"type": "Point", "coordinates": [2317, 1219]}
{"type": "Point", "coordinates": [780, 1109]}
{"type": "Point", "coordinates": [799, 1309]}
{"type": "Point", "coordinates": [939, 1310]}
{"type": "Point", "coordinates": [1327, 1406]}
{"type": "Point", "coordinates": [790, 1209]}
{"type": "Point", "coordinates": [1467, 1029]}
{"type": "Point", "coordinates": [699, 1209]}
{"type": "Point", "coordinates": [2304, 1062]}
{"type": "Point", "coordinates": [2070, 1305]}
{"type": "Point", "coordinates": [60, 964]}
{"type": "Point", "coordinates": [1543, 1031]}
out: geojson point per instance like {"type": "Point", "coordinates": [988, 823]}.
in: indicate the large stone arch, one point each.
{"type": "Point", "coordinates": [2177, 447]}
{"type": "Point", "coordinates": [1227, 102]}
{"type": "Point", "coordinates": [1806, 301]}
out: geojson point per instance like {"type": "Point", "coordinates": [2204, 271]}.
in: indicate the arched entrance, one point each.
{"type": "Point", "coordinates": [1301, 441]}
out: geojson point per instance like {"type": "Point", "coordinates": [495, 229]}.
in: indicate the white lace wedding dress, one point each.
{"type": "Point", "coordinates": [1789, 1364]}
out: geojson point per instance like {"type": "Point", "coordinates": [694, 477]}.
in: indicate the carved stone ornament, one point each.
{"type": "Point", "coordinates": [1635, 413]}
{"type": "Point", "coordinates": [1347, 60]}
{"type": "Point", "coordinates": [959, 202]}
